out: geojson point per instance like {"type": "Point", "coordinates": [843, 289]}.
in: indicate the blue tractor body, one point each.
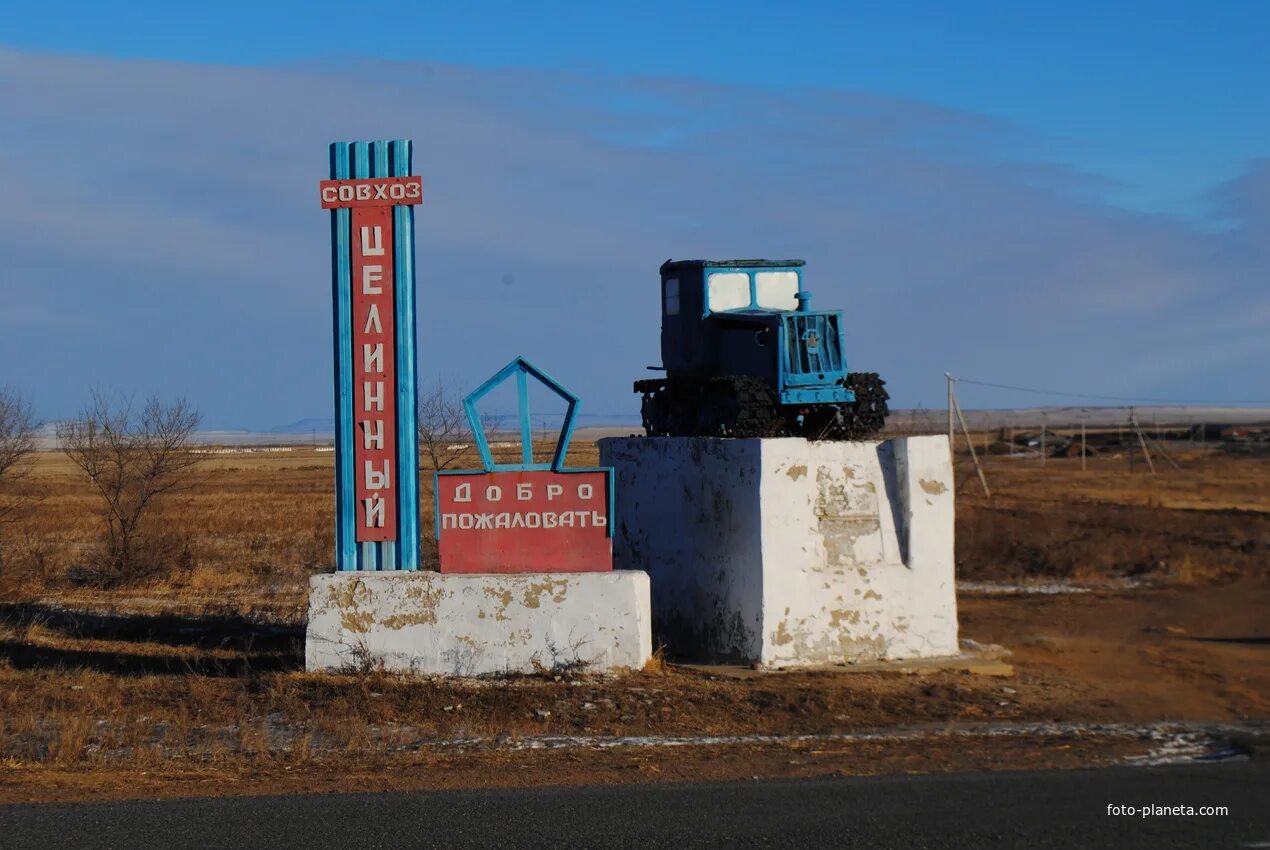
{"type": "Point", "coordinates": [745, 355]}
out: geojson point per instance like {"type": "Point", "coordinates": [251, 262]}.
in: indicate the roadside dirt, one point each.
{"type": "Point", "coordinates": [1180, 653]}
{"type": "Point", "coordinates": [247, 726]}
{"type": "Point", "coordinates": [539, 768]}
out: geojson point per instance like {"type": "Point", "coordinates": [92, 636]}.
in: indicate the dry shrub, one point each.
{"type": "Point", "coordinates": [1097, 541]}
{"type": "Point", "coordinates": [253, 738]}
{"type": "Point", "coordinates": [70, 745]}
{"type": "Point", "coordinates": [316, 549]}
{"type": "Point", "coordinates": [33, 559]}
{"type": "Point", "coordinates": [160, 555]}
{"type": "Point", "coordinates": [300, 753]}
{"type": "Point", "coordinates": [132, 458]}
{"type": "Point", "coordinates": [1192, 571]}
{"type": "Point", "coordinates": [656, 662]}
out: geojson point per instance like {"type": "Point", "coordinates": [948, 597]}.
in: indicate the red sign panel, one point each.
{"type": "Point", "coordinates": [374, 375]}
{"type": "Point", "coordinates": [524, 522]}
{"type": "Point", "coordinates": [371, 192]}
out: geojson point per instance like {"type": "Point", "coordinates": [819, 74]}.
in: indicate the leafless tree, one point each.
{"type": "Point", "coordinates": [445, 436]}
{"type": "Point", "coordinates": [442, 424]}
{"type": "Point", "coordinates": [17, 440]}
{"type": "Point", "coordinates": [131, 456]}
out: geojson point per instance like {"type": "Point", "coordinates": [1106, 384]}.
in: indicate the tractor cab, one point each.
{"type": "Point", "coordinates": [752, 317]}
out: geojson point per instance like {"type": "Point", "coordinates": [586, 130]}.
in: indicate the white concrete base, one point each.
{"type": "Point", "coordinates": [789, 552]}
{"type": "Point", "coordinates": [474, 625]}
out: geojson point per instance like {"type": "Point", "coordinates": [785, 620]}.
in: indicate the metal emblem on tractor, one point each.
{"type": "Point", "coordinates": [746, 356]}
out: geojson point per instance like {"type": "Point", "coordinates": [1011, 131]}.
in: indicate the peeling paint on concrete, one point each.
{"type": "Point", "coordinates": [533, 595]}
{"type": "Point", "coordinates": [933, 487]}
{"type": "Point", "coordinates": [471, 625]}
{"type": "Point", "coordinates": [750, 561]}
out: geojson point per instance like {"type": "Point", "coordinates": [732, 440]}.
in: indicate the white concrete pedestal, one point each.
{"type": "Point", "coordinates": [789, 552]}
{"type": "Point", "coordinates": [473, 625]}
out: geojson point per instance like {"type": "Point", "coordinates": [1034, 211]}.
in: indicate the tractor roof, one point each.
{"type": "Point", "coordinates": [746, 264]}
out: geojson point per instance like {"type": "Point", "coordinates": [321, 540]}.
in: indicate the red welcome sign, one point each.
{"type": "Point", "coordinates": [524, 521]}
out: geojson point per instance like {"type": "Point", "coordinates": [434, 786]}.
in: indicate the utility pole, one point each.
{"type": "Point", "coordinates": [1043, 441]}
{"type": "Point", "coordinates": [1142, 441]}
{"type": "Point", "coordinates": [1128, 449]}
{"type": "Point", "coordinates": [1084, 414]}
{"type": "Point", "coordinates": [951, 381]}
{"type": "Point", "coordinates": [971, 445]}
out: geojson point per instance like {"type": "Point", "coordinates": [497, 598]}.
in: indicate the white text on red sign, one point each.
{"type": "Point", "coordinates": [371, 192]}
{"type": "Point", "coordinates": [374, 372]}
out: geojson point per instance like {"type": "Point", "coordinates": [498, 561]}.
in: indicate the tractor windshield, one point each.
{"type": "Point", "coordinates": [728, 291]}
{"type": "Point", "coordinates": [776, 290]}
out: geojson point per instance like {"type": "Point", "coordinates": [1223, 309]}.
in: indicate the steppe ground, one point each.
{"type": "Point", "coordinates": [190, 680]}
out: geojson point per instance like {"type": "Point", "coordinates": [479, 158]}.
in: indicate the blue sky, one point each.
{"type": "Point", "coordinates": [1162, 100]}
{"type": "Point", "coordinates": [1070, 195]}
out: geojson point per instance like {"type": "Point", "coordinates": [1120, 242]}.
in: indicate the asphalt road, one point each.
{"type": "Point", "coordinates": [1034, 810]}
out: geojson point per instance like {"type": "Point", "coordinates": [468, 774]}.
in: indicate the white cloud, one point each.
{"type": "Point", "coordinates": [176, 205]}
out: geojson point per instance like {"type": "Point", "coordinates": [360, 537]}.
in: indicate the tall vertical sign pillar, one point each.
{"type": "Point", "coordinates": [371, 195]}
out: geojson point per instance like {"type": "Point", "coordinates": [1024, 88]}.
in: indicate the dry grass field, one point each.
{"type": "Point", "coordinates": [1209, 519]}
{"type": "Point", "coordinates": [245, 535]}
{"type": "Point", "coordinates": [191, 681]}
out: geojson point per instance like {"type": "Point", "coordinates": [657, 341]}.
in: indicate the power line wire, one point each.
{"type": "Point", "coordinates": [1138, 400]}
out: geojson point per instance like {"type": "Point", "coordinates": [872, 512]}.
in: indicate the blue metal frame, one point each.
{"type": "Point", "coordinates": [809, 390]}
{"type": "Point", "coordinates": [401, 155]}
{"type": "Point", "coordinates": [523, 370]}
{"type": "Point", "coordinates": [346, 553]}
{"type": "Point", "coordinates": [357, 160]}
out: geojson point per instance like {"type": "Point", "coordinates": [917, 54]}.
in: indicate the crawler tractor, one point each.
{"type": "Point", "coordinates": [746, 356]}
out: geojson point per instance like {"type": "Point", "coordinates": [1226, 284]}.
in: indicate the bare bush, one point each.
{"type": "Point", "coordinates": [442, 423]}
{"type": "Point", "coordinates": [445, 435]}
{"type": "Point", "coordinates": [132, 457]}
{"type": "Point", "coordinates": [17, 440]}
{"type": "Point", "coordinates": [17, 430]}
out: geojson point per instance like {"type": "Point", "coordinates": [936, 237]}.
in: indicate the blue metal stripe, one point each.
{"type": "Point", "coordinates": [566, 434]}
{"type": "Point", "coordinates": [346, 546]}
{"type": "Point", "coordinates": [526, 429]}
{"type": "Point", "coordinates": [407, 430]}
{"type": "Point", "coordinates": [436, 505]}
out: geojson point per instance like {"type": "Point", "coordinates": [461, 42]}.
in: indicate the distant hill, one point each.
{"type": "Point", "coordinates": [306, 426]}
